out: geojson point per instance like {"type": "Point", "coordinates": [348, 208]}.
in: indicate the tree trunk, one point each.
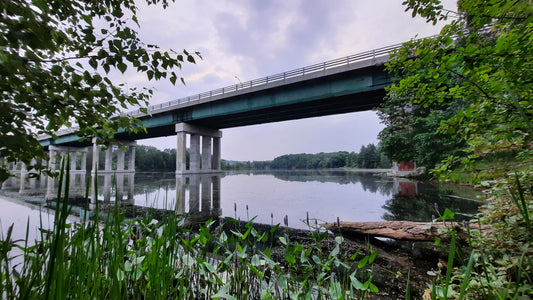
{"type": "Point", "coordinates": [401, 230]}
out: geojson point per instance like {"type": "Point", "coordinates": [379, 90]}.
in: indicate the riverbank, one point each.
{"type": "Point", "coordinates": [393, 263]}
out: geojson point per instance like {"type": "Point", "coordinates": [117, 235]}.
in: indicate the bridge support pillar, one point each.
{"type": "Point", "coordinates": [23, 173]}
{"type": "Point", "coordinates": [206, 161]}
{"type": "Point", "coordinates": [55, 152]}
{"type": "Point", "coordinates": [118, 148]}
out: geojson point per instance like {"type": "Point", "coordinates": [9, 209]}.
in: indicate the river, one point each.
{"type": "Point", "coordinates": [270, 196]}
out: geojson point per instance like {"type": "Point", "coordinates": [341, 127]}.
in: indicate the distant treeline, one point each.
{"type": "Point", "coordinates": [149, 158]}
{"type": "Point", "coordinates": [369, 157]}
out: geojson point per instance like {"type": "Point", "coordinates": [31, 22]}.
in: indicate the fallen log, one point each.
{"type": "Point", "coordinates": [402, 230]}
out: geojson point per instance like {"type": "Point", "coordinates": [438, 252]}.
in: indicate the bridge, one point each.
{"type": "Point", "coordinates": [349, 84]}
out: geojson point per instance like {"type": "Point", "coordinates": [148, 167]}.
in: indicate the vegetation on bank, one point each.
{"type": "Point", "coordinates": [461, 101]}
{"type": "Point", "coordinates": [106, 256]}
{"type": "Point", "coordinates": [150, 159]}
{"type": "Point", "coordinates": [368, 157]}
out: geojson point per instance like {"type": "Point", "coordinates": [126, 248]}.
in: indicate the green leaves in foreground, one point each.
{"type": "Point", "coordinates": [58, 61]}
{"type": "Point", "coordinates": [147, 258]}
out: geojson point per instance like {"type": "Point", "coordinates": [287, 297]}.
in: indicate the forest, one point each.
{"type": "Point", "coordinates": [151, 159]}
{"type": "Point", "coordinates": [368, 157]}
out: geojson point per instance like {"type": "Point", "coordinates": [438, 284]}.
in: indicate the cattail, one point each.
{"type": "Point", "coordinates": [236, 263]}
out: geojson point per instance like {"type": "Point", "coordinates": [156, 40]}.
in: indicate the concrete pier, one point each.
{"type": "Point", "coordinates": [205, 161]}
{"type": "Point", "coordinates": [77, 169]}
{"type": "Point", "coordinates": [118, 149]}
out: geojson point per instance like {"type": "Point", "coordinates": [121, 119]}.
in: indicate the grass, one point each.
{"type": "Point", "coordinates": [499, 262]}
{"type": "Point", "coordinates": [113, 258]}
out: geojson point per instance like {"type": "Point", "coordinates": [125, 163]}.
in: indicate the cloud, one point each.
{"type": "Point", "coordinates": [248, 39]}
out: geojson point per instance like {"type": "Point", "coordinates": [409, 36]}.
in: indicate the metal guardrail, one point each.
{"type": "Point", "coordinates": [344, 61]}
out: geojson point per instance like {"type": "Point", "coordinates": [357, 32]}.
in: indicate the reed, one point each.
{"type": "Point", "coordinates": [109, 257]}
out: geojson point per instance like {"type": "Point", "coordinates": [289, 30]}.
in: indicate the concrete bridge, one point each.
{"type": "Point", "coordinates": [349, 84]}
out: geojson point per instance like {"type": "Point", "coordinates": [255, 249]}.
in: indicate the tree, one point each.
{"type": "Point", "coordinates": [411, 132]}
{"type": "Point", "coordinates": [369, 157]}
{"type": "Point", "coordinates": [481, 60]}
{"type": "Point", "coordinates": [55, 62]}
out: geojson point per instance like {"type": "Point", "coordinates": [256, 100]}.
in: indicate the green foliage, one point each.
{"type": "Point", "coordinates": [55, 62]}
{"type": "Point", "coordinates": [481, 65]}
{"type": "Point", "coordinates": [149, 158]}
{"type": "Point", "coordinates": [368, 157]}
{"type": "Point", "coordinates": [162, 259]}
{"type": "Point", "coordinates": [411, 132]}
{"type": "Point", "coordinates": [310, 161]}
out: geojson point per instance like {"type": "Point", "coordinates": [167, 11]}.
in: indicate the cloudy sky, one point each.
{"type": "Point", "coordinates": [248, 39]}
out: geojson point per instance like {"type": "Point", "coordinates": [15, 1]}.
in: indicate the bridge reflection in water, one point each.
{"type": "Point", "coordinates": [197, 196]}
{"type": "Point", "coordinates": [269, 195]}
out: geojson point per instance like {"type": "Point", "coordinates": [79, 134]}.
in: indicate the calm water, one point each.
{"type": "Point", "coordinates": [270, 196]}
{"type": "Point", "coordinates": [321, 195]}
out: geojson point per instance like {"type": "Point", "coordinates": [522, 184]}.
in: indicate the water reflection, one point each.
{"type": "Point", "coordinates": [371, 182]}
{"type": "Point", "coordinates": [415, 201]}
{"type": "Point", "coordinates": [323, 195]}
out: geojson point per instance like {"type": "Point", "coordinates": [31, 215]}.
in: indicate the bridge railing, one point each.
{"type": "Point", "coordinates": [372, 54]}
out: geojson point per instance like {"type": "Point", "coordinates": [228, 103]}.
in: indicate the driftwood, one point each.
{"type": "Point", "coordinates": [401, 230]}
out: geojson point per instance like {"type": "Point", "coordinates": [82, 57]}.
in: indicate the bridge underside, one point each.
{"type": "Point", "coordinates": [313, 95]}
{"type": "Point", "coordinates": [337, 105]}
{"type": "Point", "coordinates": [358, 90]}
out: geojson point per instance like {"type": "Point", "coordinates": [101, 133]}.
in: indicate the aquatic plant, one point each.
{"type": "Point", "coordinates": [109, 257]}
{"type": "Point", "coordinates": [497, 262]}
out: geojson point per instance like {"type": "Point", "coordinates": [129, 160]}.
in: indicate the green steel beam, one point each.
{"type": "Point", "coordinates": [355, 90]}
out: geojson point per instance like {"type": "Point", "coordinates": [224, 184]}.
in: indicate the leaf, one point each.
{"type": "Point", "coordinates": [356, 283]}
{"type": "Point", "coordinates": [223, 293]}
{"type": "Point", "coordinates": [290, 259]}
{"type": "Point", "coordinates": [335, 251]}
{"type": "Point", "coordinates": [122, 67]}
{"type": "Point", "coordinates": [448, 214]}
{"type": "Point", "coordinates": [355, 254]}
{"type": "Point", "coordinates": [363, 262]}
{"type": "Point", "coordinates": [316, 259]}
{"type": "Point", "coordinates": [56, 70]}
{"type": "Point", "coordinates": [373, 256]}
{"type": "Point", "coordinates": [150, 74]}
{"type": "Point", "coordinates": [93, 63]}
{"type": "Point", "coordinates": [373, 288]}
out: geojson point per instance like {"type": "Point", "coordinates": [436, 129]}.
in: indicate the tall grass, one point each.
{"type": "Point", "coordinates": [499, 264]}
{"type": "Point", "coordinates": [112, 258]}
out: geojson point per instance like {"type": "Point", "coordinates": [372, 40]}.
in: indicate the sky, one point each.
{"type": "Point", "coordinates": [249, 39]}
